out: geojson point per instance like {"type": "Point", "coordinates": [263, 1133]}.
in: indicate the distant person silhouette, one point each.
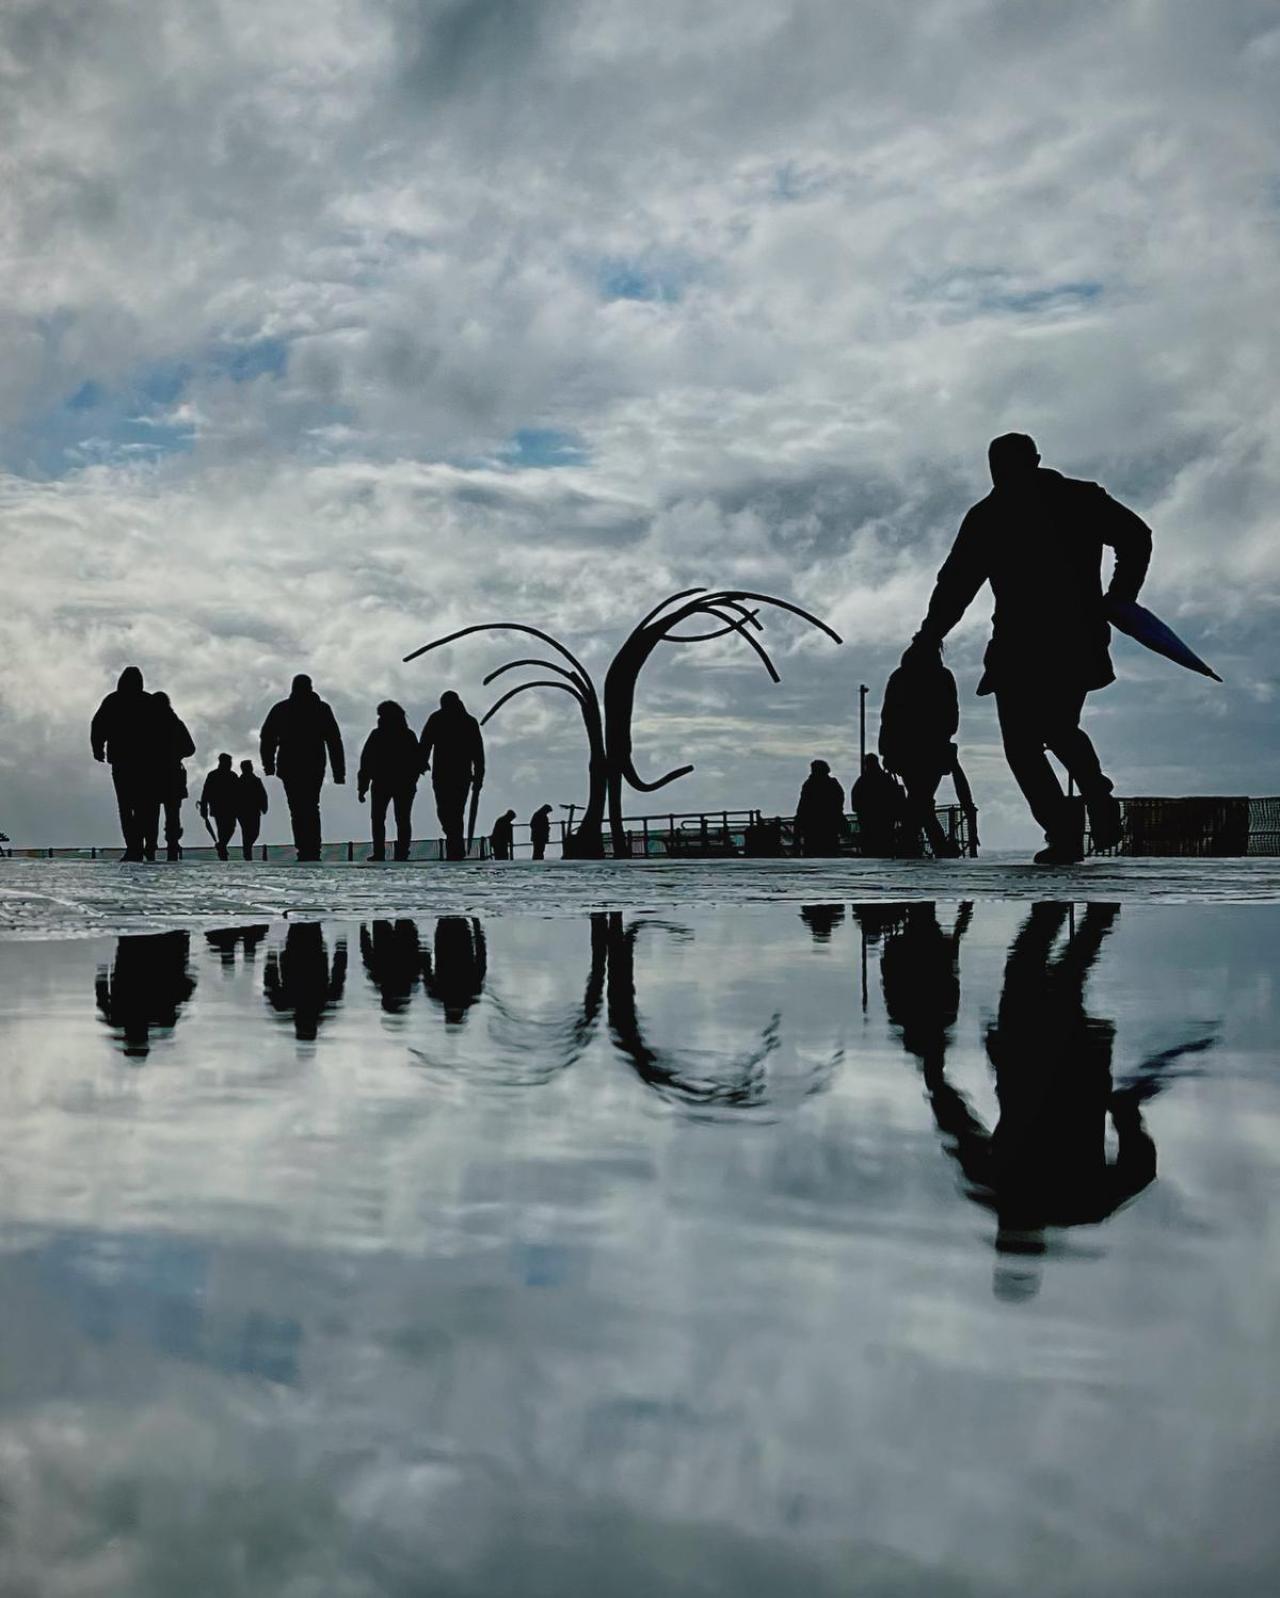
{"type": "Point", "coordinates": [392, 959]}
{"type": "Point", "coordinates": [540, 831]}
{"type": "Point", "coordinates": [300, 984]}
{"type": "Point", "coordinates": [126, 733]}
{"type": "Point", "coordinates": [226, 940]}
{"type": "Point", "coordinates": [453, 969]}
{"type": "Point", "coordinates": [220, 799]}
{"type": "Point", "coordinates": [177, 745]}
{"type": "Point", "coordinates": [141, 995]}
{"type": "Point", "coordinates": [1038, 538]}
{"type": "Point", "coordinates": [820, 812]}
{"type": "Point", "coordinates": [918, 723]}
{"type": "Point", "coordinates": [252, 795]}
{"type": "Point", "coordinates": [878, 803]}
{"type": "Point", "coordinates": [501, 839]}
{"type": "Point", "coordinates": [452, 750]}
{"type": "Point", "coordinates": [297, 735]}
{"type": "Point", "coordinates": [390, 765]}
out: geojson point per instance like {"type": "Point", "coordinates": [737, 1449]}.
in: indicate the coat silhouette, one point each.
{"type": "Point", "coordinates": [918, 723]}
{"type": "Point", "coordinates": [300, 984]}
{"type": "Point", "coordinates": [220, 799]}
{"type": "Point", "coordinates": [452, 748]}
{"type": "Point", "coordinates": [253, 805]}
{"type": "Point", "coordinates": [171, 773]}
{"type": "Point", "coordinates": [130, 735]}
{"type": "Point", "coordinates": [1038, 540]}
{"type": "Point", "coordinates": [878, 802]}
{"type": "Point", "coordinates": [820, 811]}
{"type": "Point", "coordinates": [297, 736]}
{"type": "Point", "coordinates": [141, 995]}
{"type": "Point", "coordinates": [501, 838]}
{"type": "Point", "coordinates": [453, 969]}
{"type": "Point", "coordinates": [392, 961]}
{"type": "Point", "coordinates": [540, 831]}
{"type": "Point", "coordinates": [390, 765]}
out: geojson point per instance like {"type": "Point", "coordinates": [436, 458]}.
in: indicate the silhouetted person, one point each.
{"type": "Point", "coordinates": [142, 993]}
{"type": "Point", "coordinates": [453, 751]}
{"type": "Point", "coordinates": [226, 940]}
{"type": "Point", "coordinates": [126, 733]}
{"type": "Point", "coordinates": [1038, 538]}
{"type": "Point", "coordinates": [393, 960]}
{"type": "Point", "coordinates": [918, 723]}
{"type": "Point", "coordinates": [390, 765]}
{"type": "Point", "coordinates": [822, 920]}
{"type": "Point", "coordinates": [501, 839]}
{"type": "Point", "coordinates": [220, 800]}
{"type": "Point", "coordinates": [540, 831]}
{"type": "Point", "coordinates": [253, 806]}
{"type": "Point", "coordinates": [878, 802]}
{"type": "Point", "coordinates": [297, 735]}
{"type": "Point", "coordinates": [299, 982]}
{"type": "Point", "coordinates": [453, 969]}
{"type": "Point", "coordinates": [176, 745]}
{"type": "Point", "coordinates": [920, 975]}
{"type": "Point", "coordinates": [820, 811]}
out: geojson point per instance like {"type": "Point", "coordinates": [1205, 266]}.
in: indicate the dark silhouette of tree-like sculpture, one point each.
{"type": "Point", "coordinates": [609, 738]}
{"type": "Point", "coordinates": [727, 606]}
{"type": "Point", "coordinates": [587, 842]}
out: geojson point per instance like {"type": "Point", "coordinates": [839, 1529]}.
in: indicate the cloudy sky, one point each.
{"type": "Point", "coordinates": [327, 328]}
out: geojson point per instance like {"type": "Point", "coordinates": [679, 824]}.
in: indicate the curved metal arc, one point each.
{"type": "Point", "coordinates": [545, 665]}
{"type": "Point", "coordinates": [541, 682]}
{"type": "Point", "coordinates": [746, 618]}
{"type": "Point", "coordinates": [514, 627]}
{"type": "Point", "coordinates": [683, 593]}
{"type": "Point", "coordinates": [735, 594]}
{"type": "Point", "coordinates": [738, 627]}
{"type": "Point", "coordinates": [638, 782]}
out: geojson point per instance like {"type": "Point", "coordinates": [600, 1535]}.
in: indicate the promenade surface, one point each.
{"type": "Point", "coordinates": [78, 898]}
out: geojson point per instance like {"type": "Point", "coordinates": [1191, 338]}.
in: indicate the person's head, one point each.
{"type": "Point", "coordinates": [224, 762]}
{"type": "Point", "coordinates": [544, 810]}
{"type": "Point", "coordinates": [508, 815]}
{"type": "Point", "coordinates": [819, 768]}
{"type": "Point", "coordinates": [870, 763]}
{"type": "Point", "coordinates": [246, 768]}
{"type": "Point", "coordinates": [449, 701]}
{"type": "Point", "coordinates": [301, 685]}
{"type": "Point", "coordinates": [130, 680]}
{"type": "Point", "coordinates": [1013, 458]}
{"type": "Point", "coordinates": [391, 714]}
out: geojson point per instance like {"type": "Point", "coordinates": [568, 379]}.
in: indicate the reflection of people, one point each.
{"type": "Point", "coordinates": [1038, 538]}
{"type": "Point", "coordinates": [176, 745]}
{"type": "Point", "coordinates": [820, 811]}
{"type": "Point", "coordinates": [390, 765]}
{"type": "Point", "coordinates": [297, 735]}
{"type": "Point", "coordinates": [392, 960]}
{"type": "Point", "coordinates": [253, 806]}
{"type": "Point", "coordinates": [142, 993]}
{"type": "Point", "coordinates": [501, 838]}
{"type": "Point", "coordinates": [877, 801]}
{"type": "Point", "coordinates": [220, 798]}
{"type": "Point", "coordinates": [452, 748]}
{"type": "Point", "coordinates": [918, 722]}
{"type": "Point", "coordinates": [540, 831]}
{"type": "Point", "coordinates": [226, 940]}
{"type": "Point", "coordinates": [126, 733]}
{"type": "Point", "coordinates": [299, 982]}
{"type": "Point", "coordinates": [453, 969]}
{"type": "Point", "coordinates": [822, 920]}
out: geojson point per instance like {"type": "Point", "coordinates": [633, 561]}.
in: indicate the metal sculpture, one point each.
{"type": "Point", "coordinates": [586, 842]}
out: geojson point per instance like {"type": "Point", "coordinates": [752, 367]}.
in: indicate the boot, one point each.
{"type": "Point", "coordinates": [1105, 824]}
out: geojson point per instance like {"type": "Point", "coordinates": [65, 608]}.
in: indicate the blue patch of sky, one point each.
{"type": "Point", "coordinates": [544, 447]}
{"type": "Point", "coordinates": [980, 292]}
{"type": "Point", "coordinates": [644, 277]}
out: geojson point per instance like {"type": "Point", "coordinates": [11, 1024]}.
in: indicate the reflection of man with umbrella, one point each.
{"type": "Point", "coordinates": [453, 751]}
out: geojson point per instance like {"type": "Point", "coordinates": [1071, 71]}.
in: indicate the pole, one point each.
{"type": "Point", "coordinates": [862, 726]}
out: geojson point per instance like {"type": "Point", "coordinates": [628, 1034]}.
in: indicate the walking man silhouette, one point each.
{"type": "Point", "coordinates": [820, 811]}
{"type": "Point", "coordinates": [540, 831]}
{"type": "Point", "coordinates": [452, 749]}
{"type": "Point", "coordinates": [253, 806]}
{"type": "Point", "coordinates": [220, 798]}
{"type": "Point", "coordinates": [126, 734]}
{"type": "Point", "coordinates": [390, 765]}
{"type": "Point", "coordinates": [918, 720]}
{"type": "Point", "coordinates": [175, 745]}
{"type": "Point", "coordinates": [1038, 538]}
{"type": "Point", "coordinates": [297, 735]}
{"type": "Point", "coordinates": [500, 839]}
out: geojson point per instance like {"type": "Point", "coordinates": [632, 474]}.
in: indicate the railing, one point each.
{"type": "Point", "coordinates": [1198, 826]}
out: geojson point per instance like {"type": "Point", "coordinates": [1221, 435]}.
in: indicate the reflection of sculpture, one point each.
{"type": "Point", "coordinates": [144, 989]}
{"type": "Point", "coordinates": [299, 982]}
{"type": "Point", "coordinates": [609, 737]}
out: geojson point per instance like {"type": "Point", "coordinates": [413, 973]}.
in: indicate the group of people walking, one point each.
{"type": "Point", "coordinates": [146, 743]}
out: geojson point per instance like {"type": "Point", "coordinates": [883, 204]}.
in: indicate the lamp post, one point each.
{"type": "Point", "coordinates": [862, 725]}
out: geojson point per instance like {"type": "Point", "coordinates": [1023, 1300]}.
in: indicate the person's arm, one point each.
{"type": "Point", "coordinates": [203, 806]}
{"type": "Point", "coordinates": [960, 577]}
{"type": "Point", "coordinates": [262, 795]}
{"type": "Point", "coordinates": [1128, 535]}
{"type": "Point", "coordinates": [333, 743]}
{"type": "Point", "coordinates": [184, 744]}
{"type": "Point", "coordinates": [98, 732]}
{"type": "Point", "coordinates": [365, 774]}
{"type": "Point", "coordinates": [269, 742]}
{"type": "Point", "coordinates": [477, 758]}
{"type": "Point", "coordinates": [426, 743]}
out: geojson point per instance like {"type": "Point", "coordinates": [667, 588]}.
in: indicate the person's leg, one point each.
{"type": "Point", "coordinates": [402, 801]}
{"type": "Point", "coordinates": [1022, 727]}
{"type": "Point", "coordinates": [449, 806]}
{"type": "Point", "coordinates": [311, 817]}
{"type": "Point", "coordinates": [249, 826]}
{"type": "Point", "coordinates": [379, 798]}
{"type": "Point", "coordinates": [1074, 748]}
{"type": "Point", "coordinates": [303, 795]}
{"type": "Point", "coordinates": [539, 850]}
{"type": "Point", "coordinates": [922, 790]}
{"type": "Point", "coordinates": [126, 786]}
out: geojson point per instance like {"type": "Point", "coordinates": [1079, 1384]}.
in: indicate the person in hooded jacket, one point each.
{"type": "Point", "coordinates": [127, 733]}
{"type": "Point", "coordinates": [918, 722]}
{"type": "Point", "coordinates": [253, 806]}
{"type": "Point", "coordinates": [452, 749]}
{"type": "Point", "coordinates": [171, 774]}
{"type": "Point", "coordinates": [879, 804]}
{"type": "Point", "coordinates": [297, 736]}
{"type": "Point", "coordinates": [820, 811]}
{"type": "Point", "coordinates": [540, 831]}
{"type": "Point", "coordinates": [501, 838]}
{"type": "Point", "coordinates": [390, 765]}
{"type": "Point", "coordinates": [220, 798]}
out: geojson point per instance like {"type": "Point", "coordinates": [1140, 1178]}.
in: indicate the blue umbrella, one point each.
{"type": "Point", "coordinates": [1147, 629]}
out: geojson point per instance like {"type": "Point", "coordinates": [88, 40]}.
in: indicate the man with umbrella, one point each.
{"type": "Point", "coordinates": [1038, 538]}
{"type": "Point", "coordinates": [452, 749]}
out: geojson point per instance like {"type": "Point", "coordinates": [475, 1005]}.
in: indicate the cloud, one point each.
{"type": "Point", "coordinates": [326, 331]}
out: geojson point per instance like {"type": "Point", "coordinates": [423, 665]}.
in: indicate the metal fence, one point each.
{"type": "Point", "coordinates": [1202, 826]}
